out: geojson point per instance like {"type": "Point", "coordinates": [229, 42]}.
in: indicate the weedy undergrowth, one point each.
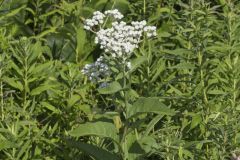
{"type": "Point", "coordinates": [73, 87]}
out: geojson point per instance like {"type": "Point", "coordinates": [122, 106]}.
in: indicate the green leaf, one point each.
{"type": "Point", "coordinates": [17, 69]}
{"type": "Point", "coordinates": [36, 51]}
{"type": "Point", "coordinates": [147, 143]}
{"type": "Point", "coordinates": [48, 14]}
{"type": "Point", "coordinates": [73, 100]}
{"type": "Point", "coordinates": [134, 149]}
{"type": "Point", "coordinates": [149, 105]}
{"type": "Point", "coordinates": [46, 32]}
{"type": "Point", "coordinates": [40, 89]}
{"type": "Point", "coordinates": [178, 52]}
{"type": "Point", "coordinates": [188, 154]}
{"type": "Point", "coordinates": [122, 5]}
{"type": "Point", "coordinates": [12, 82]}
{"type": "Point", "coordinates": [164, 9]}
{"type": "Point", "coordinates": [184, 65]}
{"type": "Point", "coordinates": [41, 67]}
{"type": "Point", "coordinates": [81, 39]}
{"type": "Point", "coordinates": [151, 125]}
{"type": "Point", "coordinates": [99, 5]}
{"type": "Point", "coordinates": [196, 119]}
{"type": "Point", "coordinates": [50, 107]}
{"type": "Point", "coordinates": [5, 144]}
{"type": "Point", "coordinates": [101, 129]}
{"type": "Point", "coordinates": [11, 13]}
{"type": "Point", "coordinates": [40, 133]}
{"type": "Point", "coordinates": [24, 148]}
{"type": "Point", "coordinates": [216, 92]}
{"type": "Point", "coordinates": [137, 62]}
{"type": "Point", "coordinates": [111, 88]}
{"type": "Point", "coordinates": [96, 152]}
{"type": "Point", "coordinates": [85, 108]}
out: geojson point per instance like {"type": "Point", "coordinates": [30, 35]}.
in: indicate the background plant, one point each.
{"type": "Point", "coordinates": [47, 104]}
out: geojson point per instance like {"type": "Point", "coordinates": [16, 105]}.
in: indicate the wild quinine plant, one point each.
{"type": "Point", "coordinates": [118, 42]}
{"type": "Point", "coordinates": [112, 72]}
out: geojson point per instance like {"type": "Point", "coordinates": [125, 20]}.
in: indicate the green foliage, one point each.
{"type": "Point", "coordinates": [101, 129]}
{"type": "Point", "coordinates": [148, 105]}
{"type": "Point", "coordinates": [180, 99]}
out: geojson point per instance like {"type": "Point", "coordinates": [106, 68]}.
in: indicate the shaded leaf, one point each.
{"type": "Point", "coordinates": [149, 105]}
{"type": "Point", "coordinates": [5, 144]}
{"type": "Point", "coordinates": [101, 129]}
{"type": "Point", "coordinates": [12, 82]}
{"type": "Point", "coordinates": [96, 152]}
{"type": "Point", "coordinates": [111, 88]}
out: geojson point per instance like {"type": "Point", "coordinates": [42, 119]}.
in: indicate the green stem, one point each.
{"type": "Point", "coordinates": [123, 141]}
{"type": "Point", "coordinates": [205, 99]}
{"type": "Point", "coordinates": [25, 84]}
{"type": "Point", "coordinates": [1, 93]}
{"type": "Point", "coordinates": [200, 59]}
{"type": "Point", "coordinates": [144, 7]}
{"type": "Point", "coordinates": [148, 67]}
{"type": "Point", "coordinates": [234, 92]}
{"type": "Point", "coordinates": [124, 86]}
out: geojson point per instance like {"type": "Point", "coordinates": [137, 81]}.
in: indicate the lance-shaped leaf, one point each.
{"type": "Point", "coordinates": [101, 129]}
{"type": "Point", "coordinates": [81, 39]}
{"type": "Point", "coordinates": [137, 62]}
{"type": "Point", "coordinates": [11, 13]}
{"type": "Point", "coordinates": [13, 82]}
{"type": "Point", "coordinates": [94, 151]}
{"type": "Point", "coordinates": [40, 89]}
{"type": "Point", "coordinates": [5, 144]}
{"type": "Point", "coordinates": [148, 105]}
{"type": "Point", "coordinates": [111, 88]}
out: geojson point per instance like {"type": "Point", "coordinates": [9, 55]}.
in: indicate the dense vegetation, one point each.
{"type": "Point", "coordinates": [180, 99]}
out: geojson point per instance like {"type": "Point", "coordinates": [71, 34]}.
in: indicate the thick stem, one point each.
{"type": "Point", "coordinates": [123, 141]}
{"type": "Point", "coordinates": [148, 67]}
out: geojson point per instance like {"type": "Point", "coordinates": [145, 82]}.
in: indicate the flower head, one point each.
{"type": "Point", "coordinates": [97, 19]}
{"type": "Point", "coordinates": [114, 13]}
{"type": "Point", "coordinates": [120, 39]}
{"type": "Point", "coordinates": [96, 71]}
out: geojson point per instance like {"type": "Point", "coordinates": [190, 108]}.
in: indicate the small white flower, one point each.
{"type": "Point", "coordinates": [129, 65]}
{"type": "Point", "coordinates": [96, 71]}
{"type": "Point", "coordinates": [151, 31]}
{"type": "Point", "coordinates": [96, 40]}
{"type": "Point", "coordinates": [114, 13]}
{"type": "Point", "coordinates": [97, 19]}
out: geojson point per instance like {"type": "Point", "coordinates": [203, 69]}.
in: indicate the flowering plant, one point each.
{"type": "Point", "coordinates": [118, 41]}
{"type": "Point", "coordinates": [112, 71]}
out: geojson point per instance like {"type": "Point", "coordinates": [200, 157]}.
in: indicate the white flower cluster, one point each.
{"type": "Point", "coordinates": [97, 71]}
{"type": "Point", "coordinates": [114, 13]}
{"type": "Point", "coordinates": [122, 39]}
{"type": "Point", "coordinates": [151, 31]}
{"type": "Point", "coordinates": [119, 40]}
{"type": "Point", "coordinates": [97, 19]}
